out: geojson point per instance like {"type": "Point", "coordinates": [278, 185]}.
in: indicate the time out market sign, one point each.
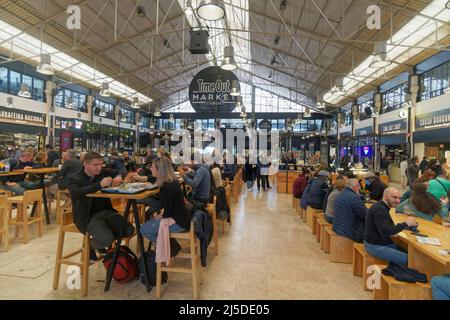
{"type": "Point", "coordinates": [210, 90]}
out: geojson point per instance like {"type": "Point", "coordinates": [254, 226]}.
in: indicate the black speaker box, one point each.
{"type": "Point", "coordinates": [199, 42]}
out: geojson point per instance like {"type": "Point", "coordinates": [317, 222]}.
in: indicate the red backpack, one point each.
{"type": "Point", "coordinates": [126, 268]}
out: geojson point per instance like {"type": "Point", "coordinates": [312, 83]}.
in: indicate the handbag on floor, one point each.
{"type": "Point", "coordinates": [126, 268]}
{"type": "Point", "coordinates": [151, 266]}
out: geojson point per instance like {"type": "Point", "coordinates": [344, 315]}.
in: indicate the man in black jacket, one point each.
{"type": "Point", "coordinates": [379, 228]}
{"type": "Point", "coordinates": [375, 186]}
{"type": "Point", "coordinates": [96, 215]}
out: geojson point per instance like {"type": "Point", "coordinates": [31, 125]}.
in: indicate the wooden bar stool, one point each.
{"type": "Point", "coordinates": [228, 194]}
{"type": "Point", "coordinates": [67, 226]}
{"type": "Point", "coordinates": [22, 220]}
{"type": "Point", "coordinates": [193, 255]}
{"type": "Point", "coordinates": [59, 208]}
{"type": "Point", "coordinates": [211, 208]}
{"type": "Point", "coordinates": [4, 225]}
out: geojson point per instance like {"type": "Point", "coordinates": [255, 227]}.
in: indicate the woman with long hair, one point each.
{"type": "Point", "coordinates": [338, 186]}
{"type": "Point", "coordinates": [423, 204]}
{"type": "Point", "coordinates": [171, 201]}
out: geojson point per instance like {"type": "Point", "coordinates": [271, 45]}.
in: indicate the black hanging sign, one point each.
{"type": "Point", "coordinates": [210, 90]}
{"type": "Point", "coordinates": [265, 124]}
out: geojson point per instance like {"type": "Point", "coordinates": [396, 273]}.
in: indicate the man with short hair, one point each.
{"type": "Point", "coordinates": [17, 183]}
{"type": "Point", "coordinates": [423, 165]}
{"type": "Point", "coordinates": [199, 179]}
{"type": "Point", "coordinates": [350, 212]}
{"type": "Point", "coordinates": [52, 155]}
{"type": "Point", "coordinates": [380, 228]}
{"type": "Point", "coordinates": [96, 215]}
{"type": "Point", "coordinates": [412, 171]}
{"type": "Point", "coordinates": [375, 186]}
{"type": "Point", "coordinates": [317, 190]}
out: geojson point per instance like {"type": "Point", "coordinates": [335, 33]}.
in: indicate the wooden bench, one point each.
{"type": "Point", "coordinates": [316, 215]}
{"type": "Point", "coordinates": [390, 289]}
{"type": "Point", "coordinates": [328, 230]}
{"type": "Point", "coordinates": [361, 262]}
{"type": "Point", "coordinates": [321, 224]}
{"type": "Point", "coordinates": [309, 215]}
{"type": "Point", "coordinates": [341, 249]}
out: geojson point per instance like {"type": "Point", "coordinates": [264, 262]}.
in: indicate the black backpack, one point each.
{"type": "Point", "coordinates": [151, 265]}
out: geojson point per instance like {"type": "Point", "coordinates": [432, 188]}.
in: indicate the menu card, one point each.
{"type": "Point", "coordinates": [427, 240]}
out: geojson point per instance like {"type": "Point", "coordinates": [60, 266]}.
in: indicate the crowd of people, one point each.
{"type": "Point", "coordinates": [343, 204]}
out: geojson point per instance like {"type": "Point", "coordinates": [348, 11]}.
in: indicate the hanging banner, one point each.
{"type": "Point", "coordinates": [436, 119]}
{"type": "Point", "coordinates": [66, 140]}
{"type": "Point", "coordinates": [210, 90]}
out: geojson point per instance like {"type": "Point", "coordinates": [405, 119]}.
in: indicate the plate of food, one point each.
{"type": "Point", "coordinates": [129, 188]}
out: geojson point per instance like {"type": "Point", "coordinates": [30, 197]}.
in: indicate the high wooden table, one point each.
{"type": "Point", "coordinates": [425, 257]}
{"type": "Point", "coordinates": [131, 203]}
{"type": "Point", "coordinates": [41, 173]}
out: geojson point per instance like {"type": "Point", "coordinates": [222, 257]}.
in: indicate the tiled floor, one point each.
{"type": "Point", "coordinates": [268, 253]}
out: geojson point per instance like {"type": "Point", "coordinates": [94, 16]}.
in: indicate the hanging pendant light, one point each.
{"type": "Point", "coordinates": [45, 66]}
{"type": "Point", "coordinates": [211, 10]}
{"type": "Point", "coordinates": [9, 102]}
{"type": "Point", "coordinates": [320, 103]}
{"type": "Point", "coordinates": [124, 117]}
{"type": "Point", "coordinates": [239, 102]}
{"type": "Point", "coordinates": [307, 113]}
{"type": "Point", "coordinates": [24, 91]}
{"type": "Point", "coordinates": [171, 118]}
{"type": "Point", "coordinates": [69, 104]}
{"type": "Point", "coordinates": [189, 11]}
{"type": "Point", "coordinates": [228, 62]}
{"type": "Point", "coordinates": [338, 88]}
{"type": "Point", "coordinates": [135, 104]}
{"type": "Point", "coordinates": [243, 114]}
{"type": "Point", "coordinates": [103, 112]}
{"type": "Point", "coordinates": [104, 92]}
{"type": "Point", "coordinates": [380, 59]}
{"type": "Point", "coordinates": [235, 88]}
{"type": "Point", "coordinates": [157, 112]}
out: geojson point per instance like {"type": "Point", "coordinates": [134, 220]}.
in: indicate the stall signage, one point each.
{"type": "Point", "coordinates": [22, 117]}
{"type": "Point", "coordinates": [435, 119]}
{"type": "Point", "coordinates": [364, 131]}
{"type": "Point", "coordinates": [265, 125]}
{"type": "Point", "coordinates": [210, 90]}
{"type": "Point", "coordinates": [393, 127]}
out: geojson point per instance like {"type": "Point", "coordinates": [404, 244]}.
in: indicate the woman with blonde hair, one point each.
{"type": "Point", "coordinates": [171, 201]}
{"type": "Point", "coordinates": [338, 186]}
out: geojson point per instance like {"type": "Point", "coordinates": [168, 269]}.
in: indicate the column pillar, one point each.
{"type": "Point", "coordinates": [377, 103]}
{"type": "Point", "coordinates": [414, 88]}
{"type": "Point", "coordinates": [50, 111]}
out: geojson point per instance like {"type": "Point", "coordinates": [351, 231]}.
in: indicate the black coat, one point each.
{"type": "Point", "coordinates": [68, 168]}
{"type": "Point", "coordinates": [79, 186]}
{"type": "Point", "coordinates": [204, 231]}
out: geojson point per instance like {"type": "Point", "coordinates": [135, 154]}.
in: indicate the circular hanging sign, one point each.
{"type": "Point", "coordinates": [265, 124]}
{"type": "Point", "coordinates": [210, 90]}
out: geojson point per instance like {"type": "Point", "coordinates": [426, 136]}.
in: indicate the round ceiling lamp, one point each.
{"type": "Point", "coordinates": [380, 58]}
{"type": "Point", "coordinates": [45, 66]}
{"type": "Point", "coordinates": [228, 62]}
{"type": "Point", "coordinates": [211, 10]}
{"type": "Point", "coordinates": [104, 92]}
{"type": "Point", "coordinates": [135, 104]}
{"type": "Point", "coordinates": [235, 88]}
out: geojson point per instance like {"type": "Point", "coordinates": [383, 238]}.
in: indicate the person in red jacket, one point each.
{"type": "Point", "coordinates": [300, 183]}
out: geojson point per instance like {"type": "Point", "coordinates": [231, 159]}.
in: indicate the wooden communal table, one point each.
{"type": "Point", "coordinates": [425, 257]}
{"type": "Point", "coordinates": [41, 173]}
{"type": "Point", "coordinates": [11, 173]}
{"type": "Point", "coordinates": [131, 203]}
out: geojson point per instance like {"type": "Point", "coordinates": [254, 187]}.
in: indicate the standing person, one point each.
{"type": "Point", "coordinates": [435, 166]}
{"type": "Point", "coordinates": [52, 155]}
{"type": "Point", "coordinates": [264, 174]}
{"type": "Point", "coordinates": [423, 165]}
{"type": "Point", "coordinates": [445, 168]}
{"type": "Point", "coordinates": [96, 215]}
{"type": "Point", "coordinates": [380, 228]}
{"type": "Point", "coordinates": [171, 201]}
{"type": "Point", "coordinates": [412, 171]}
{"type": "Point", "coordinates": [403, 167]}
{"type": "Point", "coordinates": [249, 174]}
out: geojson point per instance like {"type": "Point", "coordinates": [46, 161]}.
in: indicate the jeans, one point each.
{"type": "Point", "coordinates": [440, 287]}
{"type": "Point", "coordinates": [329, 219]}
{"type": "Point", "coordinates": [151, 227]}
{"type": "Point", "coordinates": [390, 252]}
{"type": "Point", "coordinates": [17, 190]}
{"type": "Point", "coordinates": [105, 226]}
{"type": "Point", "coordinates": [264, 180]}
{"type": "Point", "coordinates": [250, 184]}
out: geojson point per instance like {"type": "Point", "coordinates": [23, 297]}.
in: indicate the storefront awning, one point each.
{"type": "Point", "coordinates": [440, 135]}
{"type": "Point", "coordinates": [395, 139]}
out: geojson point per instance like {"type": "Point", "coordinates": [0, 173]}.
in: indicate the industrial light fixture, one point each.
{"type": "Point", "coordinates": [140, 12]}
{"type": "Point", "coordinates": [102, 112]}
{"type": "Point", "coordinates": [276, 41]}
{"type": "Point", "coordinates": [380, 59]}
{"type": "Point", "coordinates": [189, 11]}
{"type": "Point", "coordinates": [24, 91]}
{"type": "Point", "coordinates": [243, 114]}
{"type": "Point", "coordinates": [171, 118]}
{"type": "Point", "coordinates": [104, 92]}
{"type": "Point", "coordinates": [448, 81]}
{"type": "Point", "coordinates": [228, 62]}
{"type": "Point", "coordinates": [320, 103]}
{"type": "Point", "coordinates": [307, 113]}
{"type": "Point", "coordinates": [283, 5]}
{"type": "Point", "coordinates": [235, 88]}
{"type": "Point", "coordinates": [45, 66]}
{"type": "Point", "coordinates": [299, 119]}
{"type": "Point", "coordinates": [239, 101]}
{"type": "Point", "coordinates": [69, 103]}
{"type": "Point", "coordinates": [338, 88]}
{"type": "Point", "coordinates": [9, 102]}
{"type": "Point", "coordinates": [124, 117]}
{"type": "Point", "coordinates": [157, 112]}
{"type": "Point", "coordinates": [211, 10]}
{"type": "Point", "coordinates": [135, 104]}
